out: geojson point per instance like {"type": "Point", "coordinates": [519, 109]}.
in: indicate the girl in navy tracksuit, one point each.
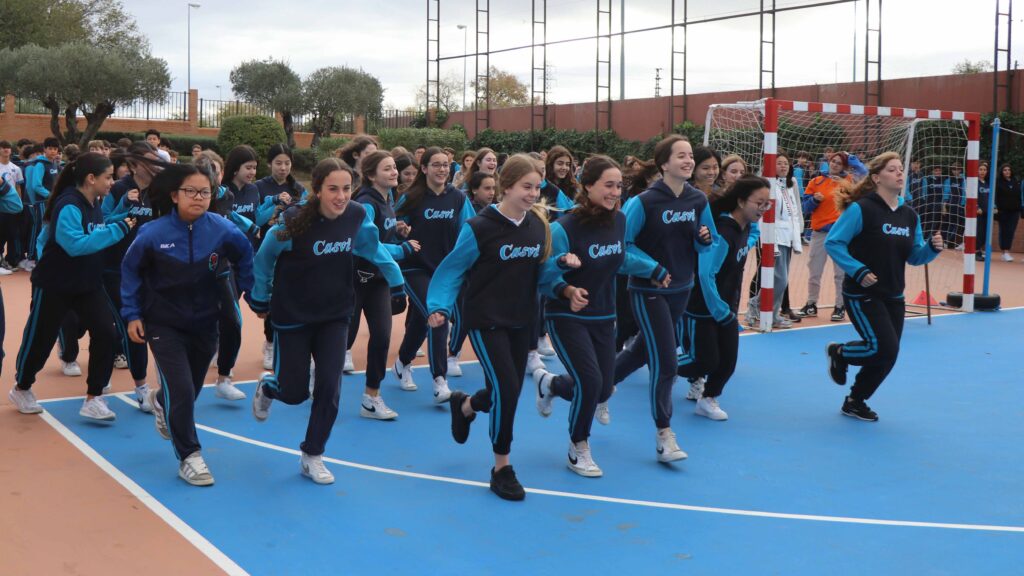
{"type": "Point", "coordinates": [239, 173]}
{"type": "Point", "coordinates": [874, 239]}
{"type": "Point", "coordinates": [372, 295]}
{"type": "Point", "coordinates": [170, 299]}
{"type": "Point", "coordinates": [710, 331]}
{"type": "Point", "coordinates": [434, 212]}
{"type": "Point", "coordinates": [501, 251]}
{"type": "Point", "coordinates": [671, 222]}
{"type": "Point", "coordinates": [283, 190]}
{"type": "Point", "coordinates": [10, 203]}
{"type": "Point", "coordinates": [580, 304]}
{"type": "Point", "coordinates": [304, 277]}
{"type": "Point", "coordinates": [69, 277]}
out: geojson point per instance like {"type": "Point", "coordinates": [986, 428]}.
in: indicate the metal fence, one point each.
{"type": "Point", "coordinates": [174, 106]}
{"type": "Point", "coordinates": [345, 124]}
{"type": "Point", "coordinates": [391, 119]}
{"type": "Point", "coordinates": [28, 106]}
{"type": "Point", "coordinates": [212, 113]}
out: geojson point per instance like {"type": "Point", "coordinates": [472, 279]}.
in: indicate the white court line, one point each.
{"type": "Point", "coordinates": [643, 503]}
{"type": "Point", "coordinates": [172, 520]}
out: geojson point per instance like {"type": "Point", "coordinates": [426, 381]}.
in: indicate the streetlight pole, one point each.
{"type": "Point", "coordinates": [191, 5]}
{"type": "Point", "coordinates": [464, 58]}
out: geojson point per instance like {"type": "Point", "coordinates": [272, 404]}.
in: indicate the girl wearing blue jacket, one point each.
{"type": "Point", "coordinates": [170, 300]}
{"type": "Point", "coordinates": [69, 278]}
{"type": "Point", "coordinates": [305, 273]}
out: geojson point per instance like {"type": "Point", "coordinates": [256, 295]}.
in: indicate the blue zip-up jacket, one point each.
{"type": "Point", "coordinates": [503, 263]}
{"type": "Point", "coordinates": [309, 279]}
{"type": "Point", "coordinates": [665, 228]}
{"type": "Point", "coordinates": [871, 237]}
{"type": "Point", "coordinates": [602, 253]}
{"type": "Point", "coordinates": [435, 223]}
{"type": "Point", "coordinates": [556, 200]}
{"type": "Point", "coordinates": [40, 176]}
{"type": "Point", "coordinates": [72, 256]}
{"type": "Point", "coordinates": [720, 271]}
{"type": "Point", "coordinates": [169, 275]}
{"type": "Point", "coordinates": [382, 214]}
{"type": "Point", "coordinates": [10, 201]}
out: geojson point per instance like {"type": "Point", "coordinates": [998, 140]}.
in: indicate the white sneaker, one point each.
{"type": "Point", "coordinates": [454, 368]}
{"type": "Point", "coordinates": [1007, 257]}
{"type": "Point", "coordinates": [4, 271]}
{"type": "Point", "coordinates": [668, 449]}
{"type": "Point", "coordinates": [108, 389]}
{"type": "Point", "coordinates": [268, 355]}
{"type": "Point", "coordinates": [708, 407]}
{"type": "Point", "coordinates": [581, 462]}
{"type": "Point", "coordinates": [227, 390]}
{"type": "Point", "coordinates": [24, 264]}
{"type": "Point", "coordinates": [542, 378]}
{"type": "Point", "coordinates": [24, 400]}
{"type": "Point", "coordinates": [374, 408]}
{"type": "Point", "coordinates": [350, 366]}
{"type": "Point", "coordinates": [604, 417]}
{"type": "Point", "coordinates": [404, 375]}
{"type": "Point", "coordinates": [696, 389]}
{"type": "Point", "coordinates": [97, 409]}
{"type": "Point", "coordinates": [313, 468]}
{"type": "Point", "coordinates": [534, 363]}
{"type": "Point", "coordinates": [160, 418]}
{"type": "Point", "coordinates": [544, 347]}
{"type": "Point", "coordinates": [71, 368]}
{"type": "Point", "coordinates": [194, 471]}
{"type": "Point", "coordinates": [142, 397]}
{"type": "Point", "coordinates": [260, 402]}
{"type": "Point", "coordinates": [420, 353]}
{"type": "Point", "coordinates": [121, 362]}
{"type": "Point", "coordinates": [441, 391]}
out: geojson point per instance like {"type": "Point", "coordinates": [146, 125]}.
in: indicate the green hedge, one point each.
{"type": "Point", "coordinates": [180, 142]}
{"type": "Point", "coordinates": [303, 159]}
{"type": "Point", "coordinates": [326, 147]}
{"type": "Point", "coordinates": [260, 132]}
{"type": "Point", "coordinates": [410, 138]}
{"type": "Point", "coordinates": [580, 143]}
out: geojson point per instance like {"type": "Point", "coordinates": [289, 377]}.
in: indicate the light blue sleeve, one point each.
{"type": "Point", "coordinates": [41, 238]}
{"type": "Point", "coordinates": [447, 279]}
{"type": "Point", "coordinates": [78, 242]}
{"type": "Point", "coordinates": [923, 251]}
{"type": "Point", "coordinates": [368, 245]}
{"type": "Point", "coordinates": [707, 219]}
{"type": "Point", "coordinates": [837, 243]}
{"type": "Point", "coordinates": [118, 212]}
{"type": "Point", "coordinates": [10, 202]}
{"type": "Point", "coordinates": [563, 202]}
{"type": "Point", "coordinates": [708, 265]}
{"type": "Point", "coordinates": [635, 217]}
{"type": "Point", "coordinates": [265, 211]}
{"type": "Point", "coordinates": [263, 269]}
{"type": "Point", "coordinates": [946, 190]}
{"type": "Point", "coordinates": [467, 211]}
{"type": "Point", "coordinates": [551, 282]}
{"type": "Point", "coordinates": [755, 234]}
{"type": "Point", "coordinates": [34, 183]}
{"type": "Point", "coordinates": [243, 224]}
{"type": "Point", "coordinates": [641, 265]}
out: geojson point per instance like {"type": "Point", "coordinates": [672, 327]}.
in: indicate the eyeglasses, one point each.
{"type": "Point", "coordinates": [196, 194]}
{"type": "Point", "coordinates": [439, 166]}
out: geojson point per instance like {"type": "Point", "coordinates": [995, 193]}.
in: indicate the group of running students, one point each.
{"type": "Point", "coordinates": [163, 255]}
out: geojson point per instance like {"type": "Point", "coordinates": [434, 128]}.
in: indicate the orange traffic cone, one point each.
{"type": "Point", "coordinates": [924, 300]}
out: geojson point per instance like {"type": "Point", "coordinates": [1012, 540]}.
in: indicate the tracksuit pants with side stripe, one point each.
{"type": "Point", "coordinates": [293, 349]}
{"type": "Point", "coordinates": [502, 353]}
{"type": "Point", "coordinates": [137, 355]}
{"type": "Point", "coordinates": [587, 350]}
{"type": "Point", "coordinates": [710, 349]}
{"type": "Point", "coordinates": [182, 359]}
{"type": "Point", "coordinates": [416, 329]}
{"type": "Point", "coordinates": [49, 309]}
{"type": "Point", "coordinates": [879, 321]}
{"type": "Point", "coordinates": [230, 324]}
{"type": "Point", "coordinates": [373, 299]}
{"type": "Point", "coordinates": [660, 318]}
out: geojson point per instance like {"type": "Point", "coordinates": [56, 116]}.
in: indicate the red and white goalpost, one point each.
{"type": "Point", "coordinates": [946, 144]}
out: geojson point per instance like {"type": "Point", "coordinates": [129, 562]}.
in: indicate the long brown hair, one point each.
{"type": "Point", "coordinates": [567, 184]}
{"type": "Point", "coordinates": [310, 211]}
{"type": "Point", "coordinates": [588, 212]}
{"type": "Point", "coordinates": [847, 194]}
{"type": "Point", "coordinates": [514, 170]}
{"type": "Point", "coordinates": [475, 166]}
{"type": "Point", "coordinates": [369, 166]}
{"type": "Point", "coordinates": [419, 188]}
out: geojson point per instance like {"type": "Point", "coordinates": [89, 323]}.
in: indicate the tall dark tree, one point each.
{"type": "Point", "coordinates": [271, 84]}
{"type": "Point", "coordinates": [332, 92]}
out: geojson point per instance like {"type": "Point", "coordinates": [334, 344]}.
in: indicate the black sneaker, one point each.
{"type": "Point", "coordinates": [505, 484]}
{"type": "Point", "coordinates": [809, 309]}
{"type": "Point", "coordinates": [854, 409]}
{"type": "Point", "coordinates": [838, 314]}
{"type": "Point", "coordinates": [836, 365]}
{"type": "Point", "coordinates": [792, 316]}
{"type": "Point", "coordinates": [460, 422]}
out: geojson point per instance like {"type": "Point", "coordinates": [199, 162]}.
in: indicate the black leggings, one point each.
{"type": "Point", "coordinates": [416, 328]}
{"type": "Point", "coordinates": [182, 359]}
{"type": "Point", "coordinates": [137, 355]}
{"type": "Point", "coordinates": [373, 299]}
{"type": "Point", "coordinates": [502, 353]}
{"type": "Point", "coordinates": [49, 309]}
{"type": "Point", "coordinates": [879, 321]}
{"type": "Point", "coordinates": [710, 349]}
{"type": "Point", "coordinates": [587, 349]}
{"type": "Point", "coordinates": [1008, 220]}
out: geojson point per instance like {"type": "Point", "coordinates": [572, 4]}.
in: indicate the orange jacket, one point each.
{"type": "Point", "coordinates": [824, 213]}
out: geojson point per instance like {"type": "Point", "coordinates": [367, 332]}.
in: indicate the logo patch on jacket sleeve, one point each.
{"type": "Point", "coordinates": [214, 260]}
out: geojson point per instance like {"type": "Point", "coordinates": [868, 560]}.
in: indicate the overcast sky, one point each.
{"type": "Point", "coordinates": [922, 37]}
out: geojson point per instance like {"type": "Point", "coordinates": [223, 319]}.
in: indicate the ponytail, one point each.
{"type": "Point", "coordinates": [73, 176]}
{"type": "Point", "coordinates": [848, 194]}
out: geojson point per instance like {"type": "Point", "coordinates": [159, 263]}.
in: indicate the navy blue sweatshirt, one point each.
{"type": "Point", "coordinates": [503, 263]}
{"type": "Point", "coordinates": [72, 258]}
{"type": "Point", "coordinates": [309, 279]}
{"type": "Point", "coordinates": [556, 200]}
{"type": "Point", "coordinates": [602, 253]}
{"type": "Point", "coordinates": [169, 275]}
{"type": "Point", "coordinates": [871, 237]}
{"type": "Point", "coordinates": [435, 223]}
{"type": "Point", "coordinates": [720, 272]}
{"type": "Point", "coordinates": [248, 203]}
{"type": "Point", "coordinates": [665, 228]}
{"type": "Point", "coordinates": [382, 214]}
{"type": "Point", "coordinates": [268, 187]}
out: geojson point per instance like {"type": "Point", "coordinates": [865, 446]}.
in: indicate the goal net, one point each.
{"type": "Point", "coordinates": [940, 154]}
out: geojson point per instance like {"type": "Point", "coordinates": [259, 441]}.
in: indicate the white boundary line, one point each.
{"type": "Point", "coordinates": [176, 523]}
{"type": "Point", "coordinates": [612, 500]}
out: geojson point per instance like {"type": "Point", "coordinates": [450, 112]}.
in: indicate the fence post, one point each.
{"type": "Point", "coordinates": [359, 126]}
{"type": "Point", "coordinates": [193, 110]}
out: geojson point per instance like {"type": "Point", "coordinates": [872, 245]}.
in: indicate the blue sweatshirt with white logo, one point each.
{"type": "Point", "coordinates": [720, 272]}
{"type": "Point", "coordinates": [436, 222]}
{"type": "Point", "coordinates": [40, 176]}
{"type": "Point", "coordinates": [380, 211]}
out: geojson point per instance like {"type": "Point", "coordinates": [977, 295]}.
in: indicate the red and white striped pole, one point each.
{"type": "Point", "coordinates": [771, 150]}
{"type": "Point", "coordinates": [971, 208]}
